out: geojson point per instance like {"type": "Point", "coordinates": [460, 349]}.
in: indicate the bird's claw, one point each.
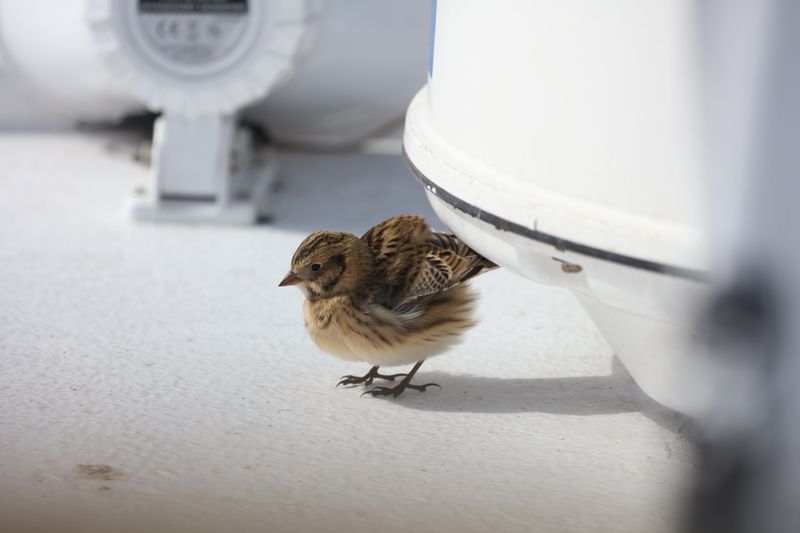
{"type": "Point", "coordinates": [353, 380]}
{"type": "Point", "coordinates": [396, 391]}
{"type": "Point", "coordinates": [368, 379]}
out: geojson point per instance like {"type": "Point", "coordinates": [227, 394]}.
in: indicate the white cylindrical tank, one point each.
{"type": "Point", "coordinates": [324, 72]}
{"type": "Point", "coordinates": [566, 143]}
{"type": "Point", "coordinates": [368, 59]}
{"type": "Point", "coordinates": [52, 65]}
{"type": "Point", "coordinates": [101, 59]}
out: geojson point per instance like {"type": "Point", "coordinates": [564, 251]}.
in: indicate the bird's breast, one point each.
{"type": "Point", "coordinates": [320, 319]}
{"type": "Point", "coordinates": [380, 336]}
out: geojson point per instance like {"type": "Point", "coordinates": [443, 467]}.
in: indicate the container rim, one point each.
{"type": "Point", "coordinates": [546, 238]}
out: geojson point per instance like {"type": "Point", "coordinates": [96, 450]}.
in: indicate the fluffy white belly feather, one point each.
{"type": "Point", "coordinates": [355, 335]}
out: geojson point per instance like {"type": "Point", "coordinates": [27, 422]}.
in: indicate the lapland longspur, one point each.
{"type": "Point", "coordinates": [395, 296]}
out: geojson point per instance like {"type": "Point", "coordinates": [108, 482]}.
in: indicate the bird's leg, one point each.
{"type": "Point", "coordinates": [368, 377]}
{"type": "Point", "coordinates": [403, 385]}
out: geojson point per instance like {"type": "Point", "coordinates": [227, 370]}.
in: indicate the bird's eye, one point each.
{"type": "Point", "coordinates": [315, 267]}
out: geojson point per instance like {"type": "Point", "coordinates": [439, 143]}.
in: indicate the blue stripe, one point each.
{"type": "Point", "coordinates": [432, 38]}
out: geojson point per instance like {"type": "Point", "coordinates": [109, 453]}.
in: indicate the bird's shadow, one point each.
{"type": "Point", "coordinates": [578, 396]}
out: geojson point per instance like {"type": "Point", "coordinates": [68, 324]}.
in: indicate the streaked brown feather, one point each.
{"type": "Point", "coordinates": [413, 261]}
{"type": "Point", "coordinates": [398, 233]}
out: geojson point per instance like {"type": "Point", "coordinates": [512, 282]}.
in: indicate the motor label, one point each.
{"type": "Point", "coordinates": [192, 32]}
{"type": "Point", "coordinates": [211, 7]}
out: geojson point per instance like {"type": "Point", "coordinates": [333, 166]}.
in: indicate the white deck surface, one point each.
{"type": "Point", "coordinates": [168, 354]}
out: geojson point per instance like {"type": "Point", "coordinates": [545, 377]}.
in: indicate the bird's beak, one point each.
{"type": "Point", "coordinates": [290, 279]}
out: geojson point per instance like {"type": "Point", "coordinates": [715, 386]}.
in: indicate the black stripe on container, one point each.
{"type": "Point", "coordinates": [546, 238]}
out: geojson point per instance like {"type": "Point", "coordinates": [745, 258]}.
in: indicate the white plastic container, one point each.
{"type": "Point", "coordinates": [566, 144]}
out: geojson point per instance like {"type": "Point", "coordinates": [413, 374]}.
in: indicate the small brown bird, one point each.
{"type": "Point", "coordinates": [395, 296]}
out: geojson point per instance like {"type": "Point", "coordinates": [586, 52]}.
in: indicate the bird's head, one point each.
{"type": "Point", "coordinates": [330, 264]}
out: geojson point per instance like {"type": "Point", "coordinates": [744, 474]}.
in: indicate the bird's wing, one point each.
{"type": "Point", "coordinates": [413, 262]}
{"type": "Point", "coordinates": [446, 262]}
{"type": "Point", "coordinates": [391, 236]}
{"type": "Point", "coordinates": [396, 242]}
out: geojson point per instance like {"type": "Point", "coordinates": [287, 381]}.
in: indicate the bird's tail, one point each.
{"type": "Point", "coordinates": [476, 264]}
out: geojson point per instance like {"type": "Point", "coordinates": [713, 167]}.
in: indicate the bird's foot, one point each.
{"type": "Point", "coordinates": [368, 378]}
{"type": "Point", "coordinates": [398, 389]}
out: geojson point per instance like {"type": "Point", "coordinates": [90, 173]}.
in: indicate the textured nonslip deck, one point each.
{"type": "Point", "coordinates": [155, 378]}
